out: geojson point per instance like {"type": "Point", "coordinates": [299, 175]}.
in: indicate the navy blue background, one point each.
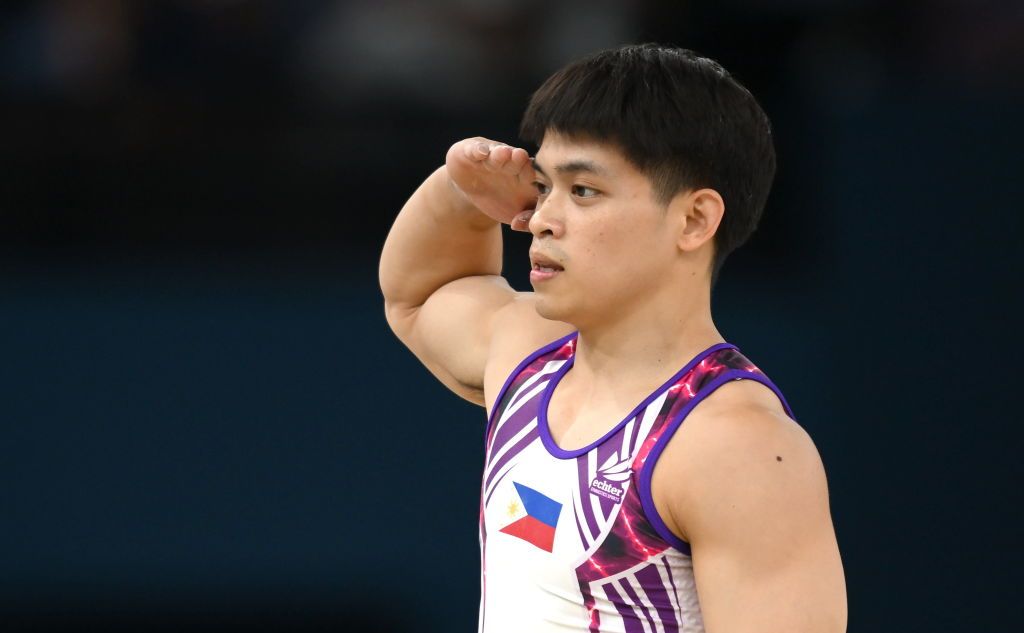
{"type": "Point", "coordinates": [208, 425]}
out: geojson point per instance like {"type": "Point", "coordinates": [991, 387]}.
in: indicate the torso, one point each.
{"type": "Point", "coordinates": [544, 467]}
{"type": "Point", "coordinates": [575, 423]}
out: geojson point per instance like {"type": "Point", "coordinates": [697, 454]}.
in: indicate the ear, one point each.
{"type": "Point", "coordinates": [698, 214]}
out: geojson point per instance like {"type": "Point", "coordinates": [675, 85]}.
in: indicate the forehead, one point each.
{"type": "Point", "coordinates": [558, 150]}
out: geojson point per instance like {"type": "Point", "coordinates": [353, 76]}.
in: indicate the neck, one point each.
{"type": "Point", "coordinates": [653, 339]}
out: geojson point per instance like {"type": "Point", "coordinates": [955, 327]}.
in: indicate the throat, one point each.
{"type": "Point", "coordinates": [574, 425]}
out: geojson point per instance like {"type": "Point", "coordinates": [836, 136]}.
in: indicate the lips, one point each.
{"type": "Point", "coordinates": [544, 263]}
{"type": "Point", "coordinates": [544, 267]}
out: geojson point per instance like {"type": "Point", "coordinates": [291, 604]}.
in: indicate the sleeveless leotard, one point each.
{"type": "Point", "coordinates": [571, 540]}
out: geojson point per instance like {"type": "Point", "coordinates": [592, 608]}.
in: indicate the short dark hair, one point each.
{"type": "Point", "coordinates": [680, 118]}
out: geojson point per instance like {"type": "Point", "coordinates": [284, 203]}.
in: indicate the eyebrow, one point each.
{"type": "Point", "coordinates": [574, 167]}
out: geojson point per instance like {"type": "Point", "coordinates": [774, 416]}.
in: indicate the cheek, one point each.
{"type": "Point", "coordinates": [605, 267]}
{"type": "Point", "coordinates": [624, 258]}
{"type": "Point", "coordinates": [620, 248]}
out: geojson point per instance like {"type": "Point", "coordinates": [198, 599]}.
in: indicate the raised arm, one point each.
{"type": "Point", "coordinates": [441, 263]}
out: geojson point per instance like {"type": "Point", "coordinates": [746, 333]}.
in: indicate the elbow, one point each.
{"type": "Point", "coordinates": [399, 318]}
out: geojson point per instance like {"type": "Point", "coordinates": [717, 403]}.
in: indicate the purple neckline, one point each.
{"type": "Point", "coordinates": [542, 415]}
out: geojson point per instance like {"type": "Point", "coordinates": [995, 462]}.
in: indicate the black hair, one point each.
{"type": "Point", "coordinates": [680, 118]}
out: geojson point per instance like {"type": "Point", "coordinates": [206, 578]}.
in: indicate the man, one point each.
{"type": "Point", "coordinates": [598, 513]}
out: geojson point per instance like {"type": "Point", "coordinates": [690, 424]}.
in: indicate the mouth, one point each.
{"type": "Point", "coordinates": [538, 275]}
{"type": "Point", "coordinates": [543, 271]}
{"type": "Point", "coordinates": [543, 263]}
{"type": "Point", "coordinates": [542, 267]}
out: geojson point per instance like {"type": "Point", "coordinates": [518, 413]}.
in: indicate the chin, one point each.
{"type": "Point", "coordinates": [549, 309]}
{"type": "Point", "coordinates": [555, 309]}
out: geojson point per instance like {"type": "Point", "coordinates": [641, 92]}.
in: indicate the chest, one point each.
{"type": "Point", "coordinates": [575, 420]}
{"type": "Point", "coordinates": [548, 510]}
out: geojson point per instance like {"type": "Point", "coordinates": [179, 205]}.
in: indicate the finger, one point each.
{"type": "Point", "coordinates": [522, 221]}
{"type": "Point", "coordinates": [518, 159]}
{"type": "Point", "coordinates": [500, 155]}
{"type": "Point", "coordinates": [477, 150]}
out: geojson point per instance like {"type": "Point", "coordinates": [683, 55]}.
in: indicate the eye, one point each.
{"type": "Point", "coordinates": [584, 191]}
{"type": "Point", "coordinates": [542, 189]}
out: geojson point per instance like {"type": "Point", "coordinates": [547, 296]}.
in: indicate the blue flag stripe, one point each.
{"type": "Point", "coordinates": [543, 508]}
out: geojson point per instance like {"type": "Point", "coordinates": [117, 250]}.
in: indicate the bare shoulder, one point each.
{"type": "Point", "coordinates": [737, 441]}
{"type": "Point", "coordinates": [518, 331]}
{"type": "Point", "coordinates": [744, 485]}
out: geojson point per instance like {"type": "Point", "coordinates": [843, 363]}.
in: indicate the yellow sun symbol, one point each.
{"type": "Point", "coordinates": [513, 508]}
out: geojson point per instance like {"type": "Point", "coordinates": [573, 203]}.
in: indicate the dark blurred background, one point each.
{"type": "Point", "coordinates": [207, 424]}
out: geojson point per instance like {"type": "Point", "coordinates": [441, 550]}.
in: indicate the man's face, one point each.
{"type": "Point", "coordinates": [597, 218]}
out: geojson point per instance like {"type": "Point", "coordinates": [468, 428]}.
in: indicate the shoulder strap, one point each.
{"type": "Point", "coordinates": [526, 368]}
{"type": "Point", "coordinates": [669, 429]}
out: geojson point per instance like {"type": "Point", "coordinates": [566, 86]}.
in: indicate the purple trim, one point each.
{"type": "Point", "coordinates": [675, 592]}
{"type": "Point", "coordinates": [647, 471]}
{"type": "Point", "coordinates": [542, 417]}
{"type": "Point", "coordinates": [671, 580]}
{"type": "Point", "coordinates": [654, 587]}
{"type": "Point", "coordinates": [629, 619]}
{"type": "Point", "coordinates": [518, 447]}
{"type": "Point", "coordinates": [630, 444]}
{"type": "Point", "coordinates": [515, 372]}
{"type": "Point", "coordinates": [586, 540]}
{"type": "Point", "coordinates": [520, 412]}
{"type": "Point", "coordinates": [585, 504]}
{"type": "Point", "coordinates": [639, 603]}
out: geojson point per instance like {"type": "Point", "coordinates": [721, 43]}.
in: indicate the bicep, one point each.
{"type": "Point", "coordinates": [765, 555]}
{"type": "Point", "coordinates": [451, 332]}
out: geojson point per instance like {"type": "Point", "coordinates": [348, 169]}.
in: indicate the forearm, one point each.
{"type": "Point", "coordinates": [437, 237]}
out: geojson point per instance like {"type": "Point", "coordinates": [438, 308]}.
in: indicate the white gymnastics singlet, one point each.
{"type": "Point", "coordinates": [571, 540]}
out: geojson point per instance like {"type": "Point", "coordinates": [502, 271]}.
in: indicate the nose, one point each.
{"type": "Point", "coordinates": [546, 218]}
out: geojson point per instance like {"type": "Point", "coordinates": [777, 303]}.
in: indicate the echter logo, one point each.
{"type": "Point", "coordinates": [611, 473]}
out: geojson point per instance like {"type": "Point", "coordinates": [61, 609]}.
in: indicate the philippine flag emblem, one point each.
{"type": "Point", "coordinates": [535, 519]}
